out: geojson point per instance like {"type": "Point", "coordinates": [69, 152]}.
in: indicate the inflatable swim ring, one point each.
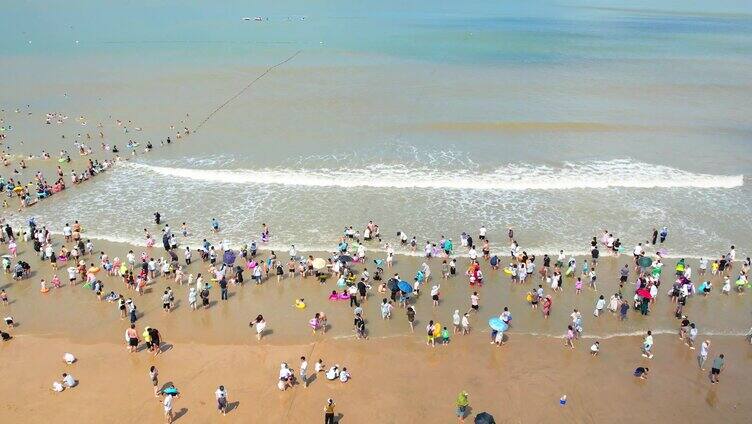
{"type": "Point", "coordinates": [437, 329]}
{"type": "Point", "coordinates": [507, 271]}
{"type": "Point", "coordinates": [299, 304]}
{"type": "Point", "coordinates": [44, 290]}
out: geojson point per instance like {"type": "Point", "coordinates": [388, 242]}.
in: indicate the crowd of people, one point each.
{"type": "Point", "coordinates": [638, 287]}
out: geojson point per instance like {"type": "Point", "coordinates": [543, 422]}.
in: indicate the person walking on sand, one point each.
{"type": "Point", "coordinates": [411, 317]}
{"type": "Point", "coordinates": [718, 364]}
{"type": "Point", "coordinates": [260, 326]}
{"type": "Point", "coordinates": [303, 370]}
{"type": "Point", "coordinates": [647, 345]}
{"type": "Point", "coordinates": [221, 395]}
{"type": "Point", "coordinates": [430, 338]}
{"type": "Point", "coordinates": [474, 302]}
{"type": "Point", "coordinates": [167, 403]}
{"type": "Point", "coordinates": [131, 337]}
{"type": "Point", "coordinates": [703, 355]}
{"type": "Point", "coordinates": [462, 404]}
{"type": "Point", "coordinates": [329, 411]}
{"type": "Point", "coordinates": [569, 337]}
{"type": "Point", "coordinates": [154, 377]}
{"type": "Point", "coordinates": [465, 323]}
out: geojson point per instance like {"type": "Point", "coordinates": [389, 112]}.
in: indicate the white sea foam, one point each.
{"type": "Point", "coordinates": [584, 175]}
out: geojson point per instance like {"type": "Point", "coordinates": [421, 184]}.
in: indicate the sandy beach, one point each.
{"type": "Point", "coordinates": [396, 377]}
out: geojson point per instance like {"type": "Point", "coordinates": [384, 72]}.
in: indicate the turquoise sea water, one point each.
{"type": "Point", "coordinates": [560, 118]}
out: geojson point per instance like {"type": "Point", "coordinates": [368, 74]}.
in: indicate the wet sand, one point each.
{"type": "Point", "coordinates": [396, 377]}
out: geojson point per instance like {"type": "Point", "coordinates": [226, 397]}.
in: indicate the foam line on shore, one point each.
{"type": "Point", "coordinates": [512, 177]}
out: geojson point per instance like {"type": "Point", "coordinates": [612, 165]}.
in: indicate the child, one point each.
{"type": "Point", "coordinates": [599, 305]}
{"type": "Point", "coordinates": [595, 348]}
{"type": "Point", "coordinates": [593, 277]}
{"type": "Point", "coordinates": [319, 367]}
{"type": "Point", "coordinates": [499, 339]}
{"type": "Point", "coordinates": [578, 285]}
{"type": "Point", "coordinates": [435, 294]}
{"type": "Point", "coordinates": [726, 289]}
{"type": "Point", "coordinates": [444, 336]}
{"type": "Point", "coordinates": [474, 299]}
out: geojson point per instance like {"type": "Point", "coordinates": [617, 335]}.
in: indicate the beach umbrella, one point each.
{"type": "Point", "coordinates": [319, 263]}
{"type": "Point", "coordinates": [345, 258]}
{"type": "Point", "coordinates": [645, 262]}
{"type": "Point", "coordinates": [229, 257]}
{"type": "Point", "coordinates": [484, 418]}
{"type": "Point", "coordinates": [405, 286]}
{"type": "Point", "coordinates": [392, 285]}
{"type": "Point", "coordinates": [379, 262]}
{"type": "Point", "coordinates": [171, 391]}
{"type": "Point", "coordinates": [644, 293]}
{"type": "Point", "coordinates": [497, 324]}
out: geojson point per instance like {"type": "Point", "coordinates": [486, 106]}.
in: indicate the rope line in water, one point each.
{"type": "Point", "coordinates": [243, 90]}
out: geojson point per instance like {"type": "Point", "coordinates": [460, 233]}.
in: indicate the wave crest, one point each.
{"type": "Point", "coordinates": [582, 175]}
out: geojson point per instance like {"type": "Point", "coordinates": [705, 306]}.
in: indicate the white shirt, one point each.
{"type": "Point", "coordinates": [473, 254]}
{"type": "Point", "coordinates": [69, 381]}
{"type": "Point", "coordinates": [434, 290]}
{"type": "Point", "coordinates": [344, 376]}
{"type": "Point", "coordinates": [303, 367]}
{"type": "Point", "coordinates": [474, 299]}
{"type": "Point", "coordinates": [482, 231]}
{"type": "Point", "coordinates": [319, 367]}
{"type": "Point", "coordinates": [704, 349]}
{"type": "Point", "coordinates": [465, 321]}
{"type": "Point", "coordinates": [284, 372]}
{"type": "Point", "coordinates": [167, 403]}
{"type": "Point", "coordinates": [648, 341]}
{"type": "Point", "coordinates": [600, 304]}
{"type": "Point", "coordinates": [594, 348]}
{"type": "Point", "coordinates": [220, 394]}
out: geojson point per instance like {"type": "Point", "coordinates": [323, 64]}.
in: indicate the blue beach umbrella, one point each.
{"type": "Point", "coordinates": [405, 286]}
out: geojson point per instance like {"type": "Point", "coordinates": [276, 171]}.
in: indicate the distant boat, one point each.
{"type": "Point", "coordinates": [257, 18]}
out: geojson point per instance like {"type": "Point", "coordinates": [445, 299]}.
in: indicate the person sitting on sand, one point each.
{"type": "Point", "coordinates": [344, 376]}
{"type": "Point", "coordinates": [642, 372]}
{"type": "Point", "coordinates": [333, 373]}
{"type": "Point", "coordinates": [67, 382]}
